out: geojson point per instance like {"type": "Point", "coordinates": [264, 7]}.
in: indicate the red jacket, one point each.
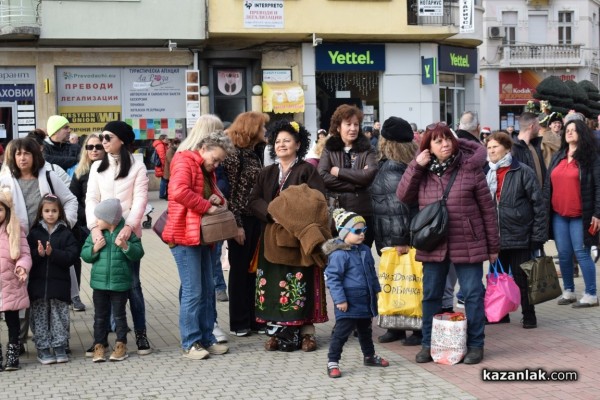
{"type": "Point", "coordinates": [161, 149]}
{"type": "Point", "coordinates": [473, 230]}
{"type": "Point", "coordinates": [186, 201]}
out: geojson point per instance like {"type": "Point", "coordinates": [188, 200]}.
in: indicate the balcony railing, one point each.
{"type": "Point", "coordinates": [542, 54]}
{"type": "Point", "coordinates": [19, 17]}
{"type": "Point", "coordinates": [415, 19]}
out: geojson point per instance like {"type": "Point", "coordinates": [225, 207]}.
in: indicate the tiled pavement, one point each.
{"type": "Point", "coordinates": [566, 339]}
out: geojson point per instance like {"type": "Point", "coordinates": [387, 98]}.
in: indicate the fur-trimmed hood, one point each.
{"type": "Point", "coordinates": [335, 143]}
{"type": "Point", "coordinates": [334, 244]}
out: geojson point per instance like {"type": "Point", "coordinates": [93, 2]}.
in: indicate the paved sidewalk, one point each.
{"type": "Point", "coordinates": [566, 339]}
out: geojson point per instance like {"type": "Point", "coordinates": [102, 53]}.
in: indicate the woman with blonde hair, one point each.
{"type": "Point", "coordinates": [204, 127]}
{"type": "Point", "coordinates": [242, 168]}
{"type": "Point", "coordinates": [92, 150]}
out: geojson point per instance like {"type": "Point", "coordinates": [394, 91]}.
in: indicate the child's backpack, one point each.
{"type": "Point", "coordinates": [155, 159]}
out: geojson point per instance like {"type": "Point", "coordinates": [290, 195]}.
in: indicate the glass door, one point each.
{"type": "Point", "coordinates": [8, 121]}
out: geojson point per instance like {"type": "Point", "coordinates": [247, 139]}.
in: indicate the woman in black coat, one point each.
{"type": "Point", "coordinates": [522, 216]}
{"type": "Point", "coordinates": [391, 217]}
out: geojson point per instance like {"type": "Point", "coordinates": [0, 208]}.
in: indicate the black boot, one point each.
{"type": "Point", "coordinates": [391, 336]}
{"type": "Point", "coordinates": [12, 357]}
{"type": "Point", "coordinates": [141, 340]}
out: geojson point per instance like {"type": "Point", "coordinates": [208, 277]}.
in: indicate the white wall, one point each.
{"type": "Point", "coordinates": [147, 19]}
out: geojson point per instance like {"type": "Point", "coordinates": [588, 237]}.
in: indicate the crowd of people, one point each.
{"type": "Point", "coordinates": [359, 187]}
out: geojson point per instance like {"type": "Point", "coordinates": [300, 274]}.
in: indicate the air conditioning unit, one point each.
{"type": "Point", "coordinates": [496, 32]}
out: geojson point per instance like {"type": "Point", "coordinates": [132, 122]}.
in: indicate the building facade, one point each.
{"type": "Point", "coordinates": [527, 41]}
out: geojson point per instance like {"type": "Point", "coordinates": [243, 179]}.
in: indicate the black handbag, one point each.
{"type": "Point", "coordinates": [430, 226]}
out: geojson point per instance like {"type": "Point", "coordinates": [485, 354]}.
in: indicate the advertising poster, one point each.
{"type": "Point", "coordinates": [88, 97]}
{"type": "Point", "coordinates": [263, 14]}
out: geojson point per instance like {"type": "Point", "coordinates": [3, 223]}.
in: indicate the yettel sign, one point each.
{"type": "Point", "coordinates": [358, 57]}
{"type": "Point", "coordinates": [457, 59]}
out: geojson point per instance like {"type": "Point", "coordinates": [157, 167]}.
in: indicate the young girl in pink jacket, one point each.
{"type": "Point", "coordinates": [15, 263]}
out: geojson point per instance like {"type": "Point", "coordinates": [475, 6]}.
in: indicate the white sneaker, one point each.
{"type": "Point", "coordinates": [219, 334]}
{"type": "Point", "coordinates": [587, 300]}
{"type": "Point", "coordinates": [196, 352]}
{"type": "Point", "coordinates": [217, 349]}
{"type": "Point", "coordinates": [567, 297]}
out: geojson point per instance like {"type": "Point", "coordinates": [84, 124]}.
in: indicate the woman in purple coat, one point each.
{"type": "Point", "coordinates": [473, 228]}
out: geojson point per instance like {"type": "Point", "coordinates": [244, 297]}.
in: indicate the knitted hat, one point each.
{"type": "Point", "coordinates": [55, 122]}
{"type": "Point", "coordinates": [109, 211]}
{"type": "Point", "coordinates": [344, 220]}
{"type": "Point", "coordinates": [397, 130]}
{"type": "Point", "coordinates": [123, 131]}
{"type": "Point", "coordinates": [13, 228]}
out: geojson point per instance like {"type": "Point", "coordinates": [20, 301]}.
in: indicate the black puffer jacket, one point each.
{"type": "Point", "coordinates": [351, 186]}
{"type": "Point", "coordinates": [50, 277]}
{"type": "Point", "coordinates": [520, 151]}
{"type": "Point", "coordinates": [64, 155]}
{"type": "Point", "coordinates": [522, 213]}
{"type": "Point", "coordinates": [391, 216]}
{"type": "Point", "coordinates": [589, 179]}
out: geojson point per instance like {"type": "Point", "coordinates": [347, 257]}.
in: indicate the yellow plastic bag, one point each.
{"type": "Point", "coordinates": [401, 280]}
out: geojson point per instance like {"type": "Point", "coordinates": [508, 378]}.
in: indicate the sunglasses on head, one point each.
{"type": "Point", "coordinates": [94, 147]}
{"type": "Point", "coordinates": [105, 137]}
{"type": "Point", "coordinates": [356, 231]}
{"type": "Point", "coordinates": [431, 127]}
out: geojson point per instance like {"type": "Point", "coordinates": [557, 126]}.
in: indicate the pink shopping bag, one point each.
{"type": "Point", "coordinates": [502, 294]}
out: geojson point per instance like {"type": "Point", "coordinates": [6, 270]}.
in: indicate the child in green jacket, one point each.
{"type": "Point", "coordinates": [111, 278]}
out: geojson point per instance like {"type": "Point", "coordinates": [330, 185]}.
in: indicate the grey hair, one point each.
{"type": "Point", "coordinates": [574, 117]}
{"type": "Point", "coordinates": [469, 121]}
{"type": "Point", "coordinates": [413, 126]}
{"type": "Point", "coordinates": [217, 139]}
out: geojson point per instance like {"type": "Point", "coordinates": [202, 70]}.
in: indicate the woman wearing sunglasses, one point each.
{"type": "Point", "coordinates": [473, 228]}
{"type": "Point", "coordinates": [119, 175]}
{"type": "Point", "coordinates": [91, 151]}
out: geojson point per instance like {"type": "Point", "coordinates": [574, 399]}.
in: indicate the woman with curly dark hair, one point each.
{"type": "Point", "coordinates": [348, 165]}
{"type": "Point", "coordinates": [575, 209]}
{"type": "Point", "coordinates": [288, 144]}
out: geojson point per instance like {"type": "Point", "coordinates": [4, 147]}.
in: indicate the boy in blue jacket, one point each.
{"type": "Point", "coordinates": [111, 278]}
{"type": "Point", "coordinates": [352, 281]}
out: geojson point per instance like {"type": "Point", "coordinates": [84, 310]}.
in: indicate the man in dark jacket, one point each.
{"type": "Point", "coordinates": [527, 145]}
{"type": "Point", "coordinates": [468, 127]}
{"type": "Point", "coordinates": [57, 149]}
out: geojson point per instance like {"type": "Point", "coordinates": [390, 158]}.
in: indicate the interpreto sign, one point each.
{"type": "Point", "coordinates": [263, 14]}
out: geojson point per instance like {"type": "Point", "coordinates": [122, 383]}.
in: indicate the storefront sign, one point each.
{"type": "Point", "coordinates": [429, 71]}
{"type": "Point", "coordinates": [230, 81]}
{"type": "Point", "coordinates": [457, 59]}
{"type": "Point", "coordinates": [283, 97]}
{"type": "Point", "coordinates": [350, 57]}
{"type": "Point", "coordinates": [17, 75]}
{"type": "Point", "coordinates": [153, 92]}
{"type": "Point", "coordinates": [431, 8]}
{"type": "Point", "coordinates": [466, 16]}
{"type": "Point", "coordinates": [517, 88]}
{"type": "Point", "coordinates": [263, 14]}
{"type": "Point", "coordinates": [10, 93]}
{"type": "Point", "coordinates": [277, 75]}
{"type": "Point", "coordinates": [92, 96]}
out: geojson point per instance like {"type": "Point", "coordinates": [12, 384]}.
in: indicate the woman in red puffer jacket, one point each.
{"type": "Point", "coordinates": [192, 193]}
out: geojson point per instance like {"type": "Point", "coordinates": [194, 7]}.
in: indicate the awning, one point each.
{"type": "Point", "coordinates": [283, 97]}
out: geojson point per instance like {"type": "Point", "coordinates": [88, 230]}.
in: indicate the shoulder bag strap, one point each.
{"type": "Point", "coordinates": [452, 177]}
{"type": "Point", "coordinates": [49, 181]}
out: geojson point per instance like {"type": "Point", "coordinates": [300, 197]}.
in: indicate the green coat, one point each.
{"type": "Point", "coordinates": [111, 268]}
